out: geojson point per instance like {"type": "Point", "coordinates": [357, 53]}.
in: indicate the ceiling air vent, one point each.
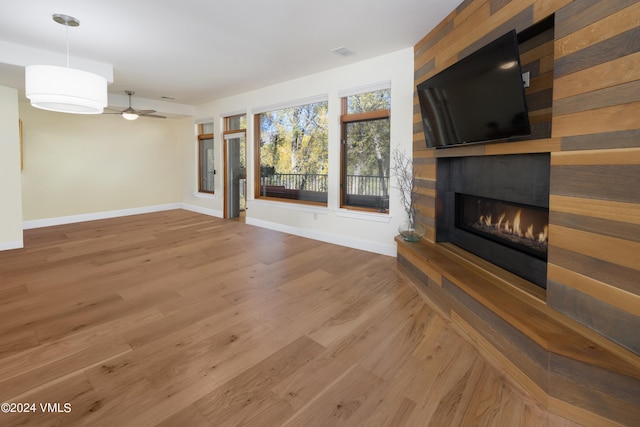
{"type": "Point", "coordinates": [342, 51]}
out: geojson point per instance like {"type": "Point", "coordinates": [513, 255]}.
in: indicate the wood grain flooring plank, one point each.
{"type": "Point", "coordinates": [227, 405]}
{"type": "Point", "coordinates": [177, 318]}
{"type": "Point", "coordinates": [75, 391]}
{"type": "Point", "coordinates": [340, 404]}
{"type": "Point", "coordinates": [41, 355]}
{"type": "Point", "coordinates": [189, 416]}
{"type": "Point", "coordinates": [319, 374]}
{"type": "Point", "coordinates": [19, 385]}
{"type": "Point", "coordinates": [352, 317]}
{"type": "Point", "coordinates": [443, 387]}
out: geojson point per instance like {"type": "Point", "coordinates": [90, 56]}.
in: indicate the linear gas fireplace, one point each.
{"type": "Point", "coordinates": [497, 207]}
{"type": "Point", "coordinates": [522, 227]}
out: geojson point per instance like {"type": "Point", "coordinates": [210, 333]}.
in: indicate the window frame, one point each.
{"type": "Point", "coordinates": [225, 134]}
{"type": "Point", "coordinates": [201, 138]}
{"type": "Point", "coordinates": [227, 123]}
{"type": "Point", "coordinates": [348, 118]}
{"type": "Point", "coordinates": [257, 153]}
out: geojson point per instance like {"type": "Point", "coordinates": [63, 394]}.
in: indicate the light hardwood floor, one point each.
{"type": "Point", "coordinates": [181, 319]}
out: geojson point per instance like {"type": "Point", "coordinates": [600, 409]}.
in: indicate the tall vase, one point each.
{"type": "Point", "coordinates": [411, 230]}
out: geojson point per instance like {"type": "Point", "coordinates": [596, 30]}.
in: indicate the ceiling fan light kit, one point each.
{"type": "Point", "coordinates": [131, 113]}
{"type": "Point", "coordinates": [129, 116]}
{"type": "Point", "coordinates": [65, 89]}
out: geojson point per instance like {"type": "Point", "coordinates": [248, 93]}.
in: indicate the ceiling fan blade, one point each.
{"type": "Point", "coordinates": [130, 110]}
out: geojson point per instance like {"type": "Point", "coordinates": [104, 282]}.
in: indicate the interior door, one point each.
{"type": "Point", "coordinates": [236, 174]}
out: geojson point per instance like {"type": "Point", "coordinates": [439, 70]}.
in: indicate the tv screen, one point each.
{"type": "Point", "coordinates": [478, 99]}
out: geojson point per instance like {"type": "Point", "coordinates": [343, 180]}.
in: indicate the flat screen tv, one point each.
{"type": "Point", "coordinates": [478, 99]}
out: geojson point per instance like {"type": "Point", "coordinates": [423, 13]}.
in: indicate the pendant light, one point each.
{"type": "Point", "coordinates": [65, 89]}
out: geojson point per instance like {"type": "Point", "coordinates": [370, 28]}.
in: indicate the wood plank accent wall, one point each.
{"type": "Point", "coordinates": [594, 262]}
{"type": "Point", "coordinates": [585, 110]}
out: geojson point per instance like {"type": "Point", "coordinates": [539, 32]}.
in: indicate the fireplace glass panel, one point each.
{"type": "Point", "coordinates": [521, 227]}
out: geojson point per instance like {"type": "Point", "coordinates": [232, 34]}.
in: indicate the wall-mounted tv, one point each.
{"type": "Point", "coordinates": [478, 99]}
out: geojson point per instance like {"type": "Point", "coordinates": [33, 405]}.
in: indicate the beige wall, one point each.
{"type": "Point", "coordinates": [369, 231]}
{"type": "Point", "coordinates": [82, 164]}
{"type": "Point", "coordinates": [79, 165]}
{"type": "Point", "coordinates": [188, 145]}
{"type": "Point", "coordinates": [10, 180]}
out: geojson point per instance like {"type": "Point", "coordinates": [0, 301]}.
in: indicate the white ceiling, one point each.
{"type": "Point", "coordinates": [196, 51]}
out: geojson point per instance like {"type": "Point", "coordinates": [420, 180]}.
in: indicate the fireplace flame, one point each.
{"type": "Point", "coordinates": [520, 226]}
{"type": "Point", "coordinates": [499, 224]}
{"type": "Point", "coordinates": [544, 235]}
{"type": "Point", "coordinates": [529, 233]}
{"type": "Point", "coordinates": [516, 224]}
{"type": "Point", "coordinates": [505, 225]}
{"type": "Point", "coordinates": [486, 220]}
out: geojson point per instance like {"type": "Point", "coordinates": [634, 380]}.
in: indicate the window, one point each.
{"type": "Point", "coordinates": [206, 171]}
{"type": "Point", "coordinates": [365, 153]}
{"type": "Point", "coordinates": [237, 122]}
{"type": "Point", "coordinates": [292, 153]}
{"type": "Point", "coordinates": [235, 171]}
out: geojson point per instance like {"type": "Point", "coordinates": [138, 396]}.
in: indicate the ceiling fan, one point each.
{"type": "Point", "coordinates": [131, 113]}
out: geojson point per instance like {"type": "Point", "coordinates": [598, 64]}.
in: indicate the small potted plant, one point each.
{"type": "Point", "coordinates": [402, 170]}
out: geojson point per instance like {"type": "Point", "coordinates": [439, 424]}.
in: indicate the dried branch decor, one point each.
{"type": "Point", "coordinates": [402, 170]}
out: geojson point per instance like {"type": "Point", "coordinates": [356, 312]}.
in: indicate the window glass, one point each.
{"type": "Point", "coordinates": [206, 128]}
{"type": "Point", "coordinates": [238, 122]}
{"type": "Point", "coordinates": [236, 166]}
{"type": "Point", "coordinates": [369, 101]}
{"type": "Point", "coordinates": [293, 153]}
{"type": "Point", "coordinates": [366, 150]}
{"type": "Point", "coordinates": [206, 171]}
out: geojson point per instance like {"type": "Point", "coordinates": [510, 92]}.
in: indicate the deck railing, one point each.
{"type": "Point", "coordinates": [296, 181]}
{"type": "Point", "coordinates": [365, 185]}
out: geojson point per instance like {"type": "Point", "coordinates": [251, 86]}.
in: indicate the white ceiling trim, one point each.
{"type": "Point", "coordinates": [204, 120]}
{"type": "Point", "coordinates": [289, 104]}
{"type": "Point", "coordinates": [233, 113]}
{"type": "Point", "coordinates": [23, 56]}
{"type": "Point", "coordinates": [365, 88]}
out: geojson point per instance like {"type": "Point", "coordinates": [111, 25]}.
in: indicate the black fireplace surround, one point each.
{"type": "Point", "coordinates": [497, 207]}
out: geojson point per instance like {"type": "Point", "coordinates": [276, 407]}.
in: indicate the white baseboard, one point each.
{"type": "Point", "coordinates": [6, 246]}
{"type": "Point", "coordinates": [363, 245]}
{"type": "Point", "coordinates": [199, 209]}
{"type": "Point", "coordinates": [61, 220]}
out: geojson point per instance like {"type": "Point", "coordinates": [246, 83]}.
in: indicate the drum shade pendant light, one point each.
{"type": "Point", "coordinates": [65, 89]}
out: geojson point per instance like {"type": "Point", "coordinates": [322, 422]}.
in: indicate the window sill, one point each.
{"type": "Point", "coordinates": [204, 195]}
{"type": "Point", "coordinates": [362, 215]}
{"type": "Point", "coordinates": [291, 206]}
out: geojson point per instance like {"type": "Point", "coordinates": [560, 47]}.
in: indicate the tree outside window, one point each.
{"type": "Point", "coordinates": [366, 151]}
{"type": "Point", "coordinates": [292, 153]}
